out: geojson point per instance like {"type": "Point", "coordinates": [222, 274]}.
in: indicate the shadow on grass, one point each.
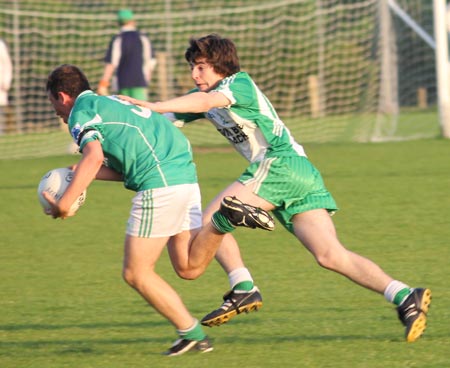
{"type": "Point", "coordinates": [15, 187]}
{"type": "Point", "coordinates": [78, 345]}
{"type": "Point", "coordinates": [47, 327]}
{"type": "Point", "coordinates": [87, 345]}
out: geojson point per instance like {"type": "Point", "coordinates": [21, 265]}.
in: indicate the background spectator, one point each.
{"type": "Point", "coordinates": [5, 82]}
{"type": "Point", "coordinates": [130, 57]}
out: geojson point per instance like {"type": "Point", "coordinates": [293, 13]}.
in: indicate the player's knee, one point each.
{"type": "Point", "coordinates": [326, 260]}
{"type": "Point", "coordinates": [130, 277]}
{"type": "Point", "coordinates": [189, 274]}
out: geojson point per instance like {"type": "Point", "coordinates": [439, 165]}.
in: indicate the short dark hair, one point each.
{"type": "Point", "coordinates": [219, 52]}
{"type": "Point", "coordinates": [68, 79]}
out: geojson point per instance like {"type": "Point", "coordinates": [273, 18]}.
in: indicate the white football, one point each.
{"type": "Point", "coordinates": [56, 182]}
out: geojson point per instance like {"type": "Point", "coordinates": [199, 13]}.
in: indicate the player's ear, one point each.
{"type": "Point", "coordinates": [64, 98]}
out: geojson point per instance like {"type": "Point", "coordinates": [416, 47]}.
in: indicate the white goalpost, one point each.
{"type": "Point", "coordinates": [441, 31]}
{"type": "Point", "coordinates": [440, 46]}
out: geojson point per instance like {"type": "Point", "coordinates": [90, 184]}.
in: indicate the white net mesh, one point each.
{"type": "Point", "coordinates": [319, 61]}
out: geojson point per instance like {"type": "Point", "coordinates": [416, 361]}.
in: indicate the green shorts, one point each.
{"type": "Point", "coordinates": [292, 184]}
{"type": "Point", "coordinates": [139, 93]}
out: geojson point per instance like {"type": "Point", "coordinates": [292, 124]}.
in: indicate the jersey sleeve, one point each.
{"type": "Point", "coordinates": [108, 55]}
{"type": "Point", "coordinates": [238, 90]}
{"type": "Point", "coordinates": [114, 51]}
{"type": "Point", "coordinates": [85, 127]}
{"type": "Point", "coordinates": [185, 117]}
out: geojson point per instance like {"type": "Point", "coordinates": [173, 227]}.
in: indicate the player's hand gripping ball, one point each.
{"type": "Point", "coordinates": [56, 182]}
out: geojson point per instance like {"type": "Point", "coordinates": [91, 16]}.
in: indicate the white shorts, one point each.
{"type": "Point", "coordinates": [165, 211]}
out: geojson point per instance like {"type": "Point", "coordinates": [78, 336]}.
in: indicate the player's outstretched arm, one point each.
{"type": "Point", "coordinates": [135, 101]}
{"type": "Point", "coordinates": [196, 102]}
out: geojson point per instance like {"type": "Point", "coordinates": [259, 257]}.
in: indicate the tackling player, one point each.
{"type": "Point", "coordinates": [279, 178]}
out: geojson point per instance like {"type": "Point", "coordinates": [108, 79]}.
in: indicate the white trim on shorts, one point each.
{"type": "Point", "coordinates": [165, 211]}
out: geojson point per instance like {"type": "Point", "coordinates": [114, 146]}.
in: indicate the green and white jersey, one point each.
{"type": "Point", "coordinates": [250, 122]}
{"type": "Point", "coordinates": [140, 144]}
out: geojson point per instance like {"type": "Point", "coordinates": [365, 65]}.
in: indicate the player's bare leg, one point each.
{"type": "Point", "coordinates": [316, 231]}
{"type": "Point", "coordinates": [192, 251]}
{"type": "Point", "coordinates": [140, 258]}
{"type": "Point", "coordinates": [141, 255]}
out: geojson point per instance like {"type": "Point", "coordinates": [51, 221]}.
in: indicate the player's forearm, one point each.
{"type": "Point", "coordinates": [192, 103]}
{"type": "Point", "coordinates": [85, 172]}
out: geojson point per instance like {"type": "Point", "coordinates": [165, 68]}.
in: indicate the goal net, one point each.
{"type": "Point", "coordinates": [336, 70]}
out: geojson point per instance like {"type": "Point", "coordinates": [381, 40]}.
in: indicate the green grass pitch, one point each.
{"type": "Point", "coordinates": [63, 302]}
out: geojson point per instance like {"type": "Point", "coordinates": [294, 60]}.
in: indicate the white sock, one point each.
{"type": "Point", "coordinates": [185, 331]}
{"type": "Point", "coordinates": [392, 289]}
{"type": "Point", "coordinates": [239, 275]}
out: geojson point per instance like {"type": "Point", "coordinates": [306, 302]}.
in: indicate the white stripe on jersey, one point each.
{"type": "Point", "coordinates": [267, 109]}
{"type": "Point", "coordinates": [150, 147]}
